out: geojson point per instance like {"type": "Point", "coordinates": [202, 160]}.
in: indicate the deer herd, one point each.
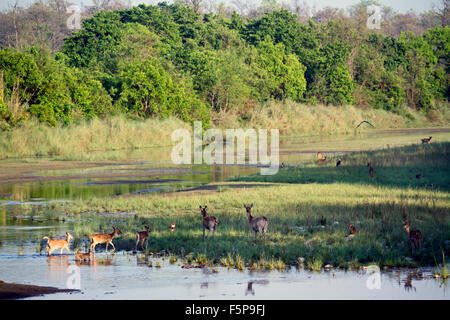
{"type": "Point", "coordinates": [210, 223]}
{"type": "Point", "coordinates": [256, 225]}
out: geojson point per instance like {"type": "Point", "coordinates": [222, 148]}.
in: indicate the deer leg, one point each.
{"type": "Point", "coordinates": [107, 247]}
{"type": "Point", "coordinates": [60, 252]}
{"type": "Point", "coordinates": [112, 245]}
{"type": "Point", "coordinates": [203, 232]}
{"type": "Point", "coordinates": [67, 248]}
{"type": "Point", "coordinates": [142, 244]}
{"type": "Point", "coordinates": [137, 241]}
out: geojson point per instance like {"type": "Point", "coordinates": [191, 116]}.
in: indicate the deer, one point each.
{"type": "Point", "coordinates": [351, 233]}
{"type": "Point", "coordinates": [142, 236]}
{"type": "Point", "coordinates": [371, 171]}
{"type": "Point", "coordinates": [321, 157]}
{"type": "Point", "coordinates": [209, 222]}
{"type": "Point", "coordinates": [426, 140]}
{"type": "Point", "coordinates": [83, 256]}
{"type": "Point", "coordinates": [352, 229]}
{"type": "Point", "coordinates": [415, 236]}
{"type": "Point", "coordinates": [58, 244]}
{"type": "Point", "coordinates": [258, 224]}
{"type": "Point", "coordinates": [104, 237]}
{"type": "Point", "coordinates": [172, 226]}
{"type": "Point", "coordinates": [338, 163]}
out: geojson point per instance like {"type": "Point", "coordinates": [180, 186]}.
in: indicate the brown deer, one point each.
{"type": "Point", "coordinates": [83, 256]}
{"type": "Point", "coordinates": [426, 140]}
{"type": "Point", "coordinates": [58, 244]}
{"type": "Point", "coordinates": [209, 222]}
{"type": "Point", "coordinates": [351, 233]}
{"type": "Point", "coordinates": [142, 236]}
{"type": "Point", "coordinates": [352, 229]}
{"type": "Point", "coordinates": [321, 157]}
{"type": "Point", "coordinates": [172, 226]}
{"type": "Point", "coordinates": [258, 224]}
{"type": "Point", "coordinates": [415, 236]}
{"type": "Point", "coordinates": [104, 237]}
{"type": "Point", "coordinates": [371, 171]}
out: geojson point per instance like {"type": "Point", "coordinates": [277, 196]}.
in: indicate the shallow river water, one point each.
{"type": "Point", "coordinates": [125, 275]}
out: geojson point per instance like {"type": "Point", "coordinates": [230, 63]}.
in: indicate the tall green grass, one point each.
{"type": "Point", "coordinates": [87, 140]}
{"type": "Point", "coordinates": [96, 138]}
{"type": "Point", "coordinates": [298, 119]}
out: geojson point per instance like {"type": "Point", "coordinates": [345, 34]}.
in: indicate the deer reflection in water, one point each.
{"type": "Point", "coordinates": [250, 284]}
{"type": "Point", "coordinates": [250, 289]}
{"type": "Point", "coordinates": [94, 261]}
{"type": "Point", "coordinates": [407, 283]}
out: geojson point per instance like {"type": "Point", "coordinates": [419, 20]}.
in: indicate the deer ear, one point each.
{"type": "Point", "coordinates": [200, 207]}
{"type": "Point", "coordinates": [251, 206]}
{"type": "Point", "coordinates": [245, 206]}
{"type": "Point", "coordinates": [206, 207]}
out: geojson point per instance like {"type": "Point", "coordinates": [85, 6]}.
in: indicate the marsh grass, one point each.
{"type": "Point", "coordinates": [298, 119]}
{"type": "Point", "coordinates": [343, 195]}
{"type": "Point", "coordinates": [396, 167]}
{"type": "Point", "coordinates": [96, 139]}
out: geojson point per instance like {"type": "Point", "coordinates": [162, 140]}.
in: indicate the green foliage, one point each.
{"type": "Point", "coordinates": [166, 59]}
{"type": "Point", "coordinates": [148, 90]}
{"type": "Point", "coordinates": [278, 75]}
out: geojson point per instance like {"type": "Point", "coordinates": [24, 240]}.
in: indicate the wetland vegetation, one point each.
{"type": "Point", "coordinates": [309, 208]}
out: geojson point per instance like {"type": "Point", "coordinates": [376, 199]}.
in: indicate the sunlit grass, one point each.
{"type": "Point", "coordinates": [296, 211]}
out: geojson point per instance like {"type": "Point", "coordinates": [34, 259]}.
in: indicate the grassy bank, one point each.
{"type": "Point", "coordinates": [88, 140]}
{"type": "Point", "coordinates": [298, 119]}
{"type": "Point", "coordinates": [394, 167]}
{"type": "Point", "coordinates": [307, 220]}
{"type": "Point", "coordinates": [104, 139]}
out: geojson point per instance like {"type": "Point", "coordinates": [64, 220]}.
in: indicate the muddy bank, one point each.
{"type": "Point", "coordinates": [210, 189]}
{"type": "Point", "coordinates": [20, 172]}
{"type": "Point", "coordinates": [10, 291]}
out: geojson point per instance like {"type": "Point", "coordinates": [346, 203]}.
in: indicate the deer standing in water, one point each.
{"type": "Point", "coordinates": [209, 222]}
{"type": "Point", "coordinates": [415, 236]}
{"type": "Point", "coordinates": [83, 256]}
{"type": "Point", "coordinates": [258, 224]}
{"type": "Point", "coordinates": [104, 237]}
{"type": "Point", "coordinates": [142, 236]}
{"type": "Point", "coordinates": [426, 140]}
{"type": "Point", "coordinates": [58, 244]}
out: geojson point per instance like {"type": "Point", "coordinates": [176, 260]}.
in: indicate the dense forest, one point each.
{"type": "Point", "coordinates": [193, 59]}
